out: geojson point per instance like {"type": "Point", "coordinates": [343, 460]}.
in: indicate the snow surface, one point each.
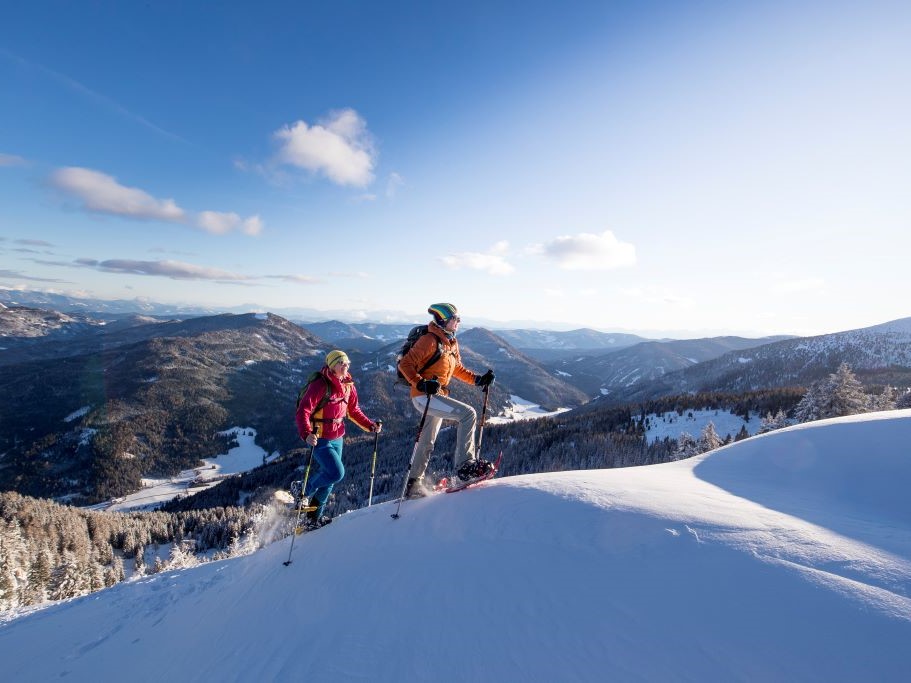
{"type": "Point", "coordinates": [671, 424]}
{"type": "Point", "coordinates": [242, 458]}
{"type": "Point", "coordinates": [77, 413]}
{"type": "Point", "coordinates": [784, 557]}
{"type": "Point", "coordinates": [521, 409]}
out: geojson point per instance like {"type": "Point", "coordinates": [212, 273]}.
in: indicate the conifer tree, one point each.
{"type": "Point", "coordinates": [839, 394]}
{"type": "Point", "coordinates": [772, 422]}
{"type": "Point", "coordinates": [848, 397]}
{"type": "Point", "coordinates": [883, 401]}
{"type": "Point", "coordinates": [686, 446]}
{"type": "Point", "coordinates": [709, 439]}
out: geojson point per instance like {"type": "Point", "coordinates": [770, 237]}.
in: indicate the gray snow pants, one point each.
{"type": "Point", "coordinates": [443, 408]}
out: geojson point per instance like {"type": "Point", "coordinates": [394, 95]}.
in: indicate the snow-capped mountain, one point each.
{"type": "Point", "coordinates": [878, 354]}
{"type": "Point", "coordinates": [525, 376]}
{"type": "Point", "coordinates": [783, 557]}
{"type": "Point", "coordinates": [547, 344]}
{"type": "Point", "coordinates": [20, 323]}
{"type": "Point", "coordinates": [646, 361]}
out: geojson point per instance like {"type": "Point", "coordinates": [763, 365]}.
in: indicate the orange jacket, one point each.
{"type": "Point", "coordinates": [448, 366]}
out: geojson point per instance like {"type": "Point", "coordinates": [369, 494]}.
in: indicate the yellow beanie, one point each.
{"type": "Point", "coordinates": [336, 356]}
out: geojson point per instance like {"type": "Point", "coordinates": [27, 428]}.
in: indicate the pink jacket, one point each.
{"type": "Point", "coordinates": [329, 421]}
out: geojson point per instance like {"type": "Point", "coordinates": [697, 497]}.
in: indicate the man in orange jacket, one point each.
{"type": "Point", "coordinates": [429, 377]}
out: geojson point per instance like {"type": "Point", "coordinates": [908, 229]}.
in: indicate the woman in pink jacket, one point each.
{"type": "Point", "coordinates": [320, 417]}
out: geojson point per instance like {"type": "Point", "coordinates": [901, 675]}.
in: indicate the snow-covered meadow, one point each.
{"type": "Point", "coordinates": [241, 458]}
{"type": "Point", "coordinates": [671, 424]}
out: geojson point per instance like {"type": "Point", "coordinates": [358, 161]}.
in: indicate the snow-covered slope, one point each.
{"type": "Point", "coordinates": [785, 557]}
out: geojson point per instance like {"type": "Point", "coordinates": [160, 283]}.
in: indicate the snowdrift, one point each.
{"type": "Point", "coordinates": [782, 557]}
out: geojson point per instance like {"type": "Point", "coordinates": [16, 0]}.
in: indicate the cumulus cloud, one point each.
{"type": "Point", "coordinates": [339, 147]}
{"type": "Point", "coordinates": [102, 193]}
{"type": "Point", "coordinates": [176, 270]}
{"type": "Point", "coordinates": [11, 160]}
{"type": "Point", "coordinates": [586, 251]}
{"type": "Point", "coordinates": [219, 223]}
{"type": "Point", "coordinates": [491, 262]}
{"type": "Point", "coordinates": [252, 226]}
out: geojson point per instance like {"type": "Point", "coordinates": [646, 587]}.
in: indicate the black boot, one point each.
{"type": "Point", "coordinates": [415, 488]}
{"type": "Point", "coordinates": [474, 469]}
{"type": "Point", "coordinates": [314, 520]}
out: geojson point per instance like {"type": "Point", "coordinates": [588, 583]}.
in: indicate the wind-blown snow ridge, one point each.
{"type": "Point", "coordinates": [781, 557]}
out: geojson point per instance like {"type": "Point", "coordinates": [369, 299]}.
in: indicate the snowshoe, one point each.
{"type": "Point", "coordinates": [475, 469]}
{"type": "Point", "coordinates": [313, 522]}
{"type": "Point", "coordinates": [488, 471]}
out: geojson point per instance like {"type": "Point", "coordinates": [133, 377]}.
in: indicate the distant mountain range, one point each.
{"type": "Point", "coordinates": [878, 355]}
{"type": "Point", "coordinates": [92, 402]}
{"type": "Point", "coordinates": [646, 362]}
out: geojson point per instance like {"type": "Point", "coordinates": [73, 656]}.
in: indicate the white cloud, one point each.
{"type": "Point", "coordinates": [586, 251]}
{"type": "Point", "coordinates": [11, 160]}
{"type": "Point", "coordinates": [252, 226]}
{"type": "Point", "coordinates": [176, 270]}
{"type": "Point", "coordinates": [101, 192]}
{"type": "Point", "coordinates": [219, 223]}
{"type": "Point", "coordinates": [339, 147]}
{"type": "Point", "coordinates": [492, 262]}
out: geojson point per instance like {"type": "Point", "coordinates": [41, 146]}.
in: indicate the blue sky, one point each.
{"type": "Point", "coordinates": [660, 167]}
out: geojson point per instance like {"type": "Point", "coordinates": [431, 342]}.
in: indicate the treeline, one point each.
{"type": "Point", "coordinates": [759, 402]}
{"type": "Point", "coordinates": [53, 552]}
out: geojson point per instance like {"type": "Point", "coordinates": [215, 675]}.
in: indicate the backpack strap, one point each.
{"type": "Point", "coordinates": [322, 402]}
{"type": "Point", "coordinates": [434, 358]}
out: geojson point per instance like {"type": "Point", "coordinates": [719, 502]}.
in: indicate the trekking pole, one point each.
{"type": "Point", "coordinates": [300, 506]}
{"type": "Point", "coordinates": [413, 453]}
{"type": "Point", "coordinates": [376, 438]}
{"type": "Point", "coordinates": [483, 419]}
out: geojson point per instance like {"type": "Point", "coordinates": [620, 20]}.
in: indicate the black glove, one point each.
{"type": "Point", "coordinates": [428, 386]}
{"type": "Point", "coordinates": [485, 380]}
